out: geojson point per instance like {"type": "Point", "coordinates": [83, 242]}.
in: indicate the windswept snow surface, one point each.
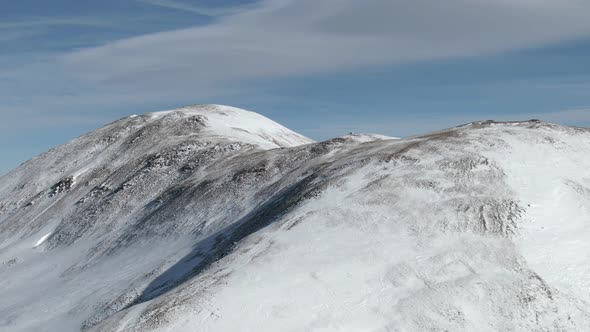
{"type": "Point", "coordinates": [212, 218]}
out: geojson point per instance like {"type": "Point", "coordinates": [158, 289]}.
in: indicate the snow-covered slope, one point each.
{"type": "Point", "coordinates": [211, 218]}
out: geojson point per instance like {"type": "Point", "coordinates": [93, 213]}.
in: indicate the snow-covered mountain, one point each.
{"type": "Point", "coordinates": [212, 218]}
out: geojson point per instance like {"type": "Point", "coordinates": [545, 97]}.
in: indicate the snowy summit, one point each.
{"type": "Point", "coordinates": [237, 124]}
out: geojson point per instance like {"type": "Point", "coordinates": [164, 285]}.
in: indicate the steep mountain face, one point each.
{"type": "Point", "coordinates": [218, 219]}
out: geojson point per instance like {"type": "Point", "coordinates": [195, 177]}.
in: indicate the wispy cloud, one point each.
{"type": "Point", "coordinates": [201, 10]}
{"type": "Point", "coordinates": [42, 22]}
{"type": "Point", "coordinates": [283, 38]}
{"type": "Point", "coordinates": [23, 29]}
{"type": "Point", "coordinates": [7, 36]}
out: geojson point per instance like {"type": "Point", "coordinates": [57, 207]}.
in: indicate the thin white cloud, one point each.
{"type": "Point", "coordinates": [201, 10]}
{"type": "Point", "coordinates": [44, 22]}
{"type": "Point", "coordinates": [7, 36]}
{"type": "Point", "coordinates": [19, 30]}
{"type": "Point", "coordinates": [282, 38]}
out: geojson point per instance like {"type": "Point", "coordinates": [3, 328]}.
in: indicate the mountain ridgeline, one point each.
{"type": "Point", "coordinates": [213, 218]}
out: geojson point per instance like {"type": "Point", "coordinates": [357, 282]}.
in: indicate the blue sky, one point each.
{"type": "Point", "coordinates": [322, 68]}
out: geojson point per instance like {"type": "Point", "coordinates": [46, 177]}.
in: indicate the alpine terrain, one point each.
{"type": "Point", "coordinates": [212, 218]}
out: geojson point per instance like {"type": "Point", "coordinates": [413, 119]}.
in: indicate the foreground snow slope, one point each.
{"type": "Point", "coordinates": [211, 218]}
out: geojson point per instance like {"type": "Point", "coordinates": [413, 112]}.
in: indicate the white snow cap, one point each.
{"type": "Point", "coordinates": [241, 125]}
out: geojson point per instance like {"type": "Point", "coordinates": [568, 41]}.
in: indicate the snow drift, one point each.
{"type": "Point", "coordinates": [212, 218]}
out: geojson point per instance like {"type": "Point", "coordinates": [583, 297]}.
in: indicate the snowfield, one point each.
{"type": "Point", "coordinates": [212, 218]}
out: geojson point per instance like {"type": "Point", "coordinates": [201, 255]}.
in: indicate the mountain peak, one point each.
{"type": "Point", "coordinates": [237, 124]}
